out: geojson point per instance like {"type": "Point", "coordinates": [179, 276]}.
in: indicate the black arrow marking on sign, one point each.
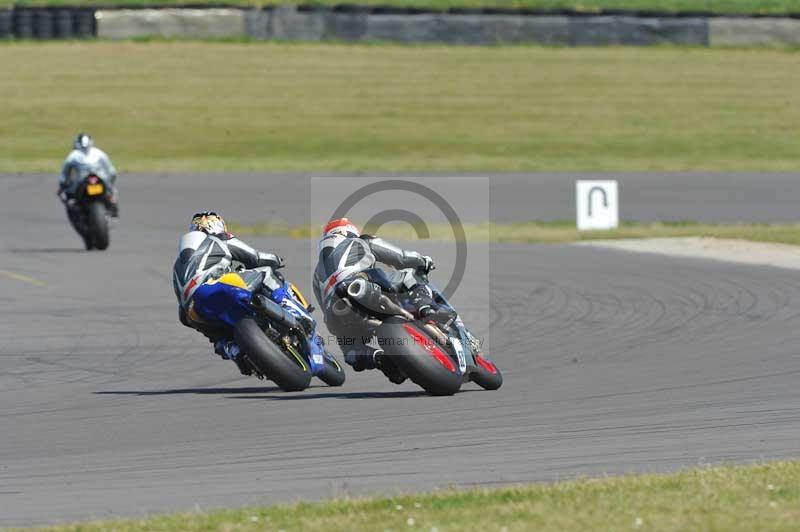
{"type": "Point", "coordinates": [602, 191]}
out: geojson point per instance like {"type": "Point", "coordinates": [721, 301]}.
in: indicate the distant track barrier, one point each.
{"type": "Point", "coordinates": [354, 23]}
{"type": "Point", "coordinates": [46, 23]}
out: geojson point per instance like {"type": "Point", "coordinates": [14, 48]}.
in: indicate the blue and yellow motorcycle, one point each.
{"type": "Point", "coordinates": [278, 342]}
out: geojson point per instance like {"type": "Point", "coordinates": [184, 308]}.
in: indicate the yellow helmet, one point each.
{"type": "Point", "coordinates": [208, 222]}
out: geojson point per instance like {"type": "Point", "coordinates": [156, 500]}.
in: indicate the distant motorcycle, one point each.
{"type": "Point", "coordinates": [88, 212]}
{"type": "Point", "coordinates": [274, 344]}
{"type": "Point", "coordinates": [436, 352]}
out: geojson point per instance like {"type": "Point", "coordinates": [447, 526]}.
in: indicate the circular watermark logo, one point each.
{"type": "Point", "coordinates": [404, 215]}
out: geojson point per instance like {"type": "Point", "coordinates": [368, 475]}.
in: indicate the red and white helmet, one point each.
{"type": "Point", "coordinates": [342, 227]}
{"type": "Point", "coordinates": [336, 231]}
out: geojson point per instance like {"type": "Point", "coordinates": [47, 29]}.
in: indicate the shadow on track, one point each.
{"type": "Point", "coordinates": [47, 250]}
{"type": "Point", "coordinates": [335, 395]}
{"type": "Point", "coordinates": [269, 393]}
{"type": "Point", "coordinates": [189, 391]}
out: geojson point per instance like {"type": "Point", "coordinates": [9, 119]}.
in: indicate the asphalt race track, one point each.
{"type": "Point", "coordinates": [613, 362]}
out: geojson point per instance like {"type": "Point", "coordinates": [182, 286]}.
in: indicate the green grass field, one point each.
{"type": "Point", "coordinates": [744, 498]}
{"type": "Point", "coordinates": [556, 232]}
{"type": "Point", "coordinates": [242, 106]}
{"type": "Point", "coordinates": [716, 6]}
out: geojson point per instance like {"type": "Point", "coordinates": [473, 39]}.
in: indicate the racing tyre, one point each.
{"type": "Point", "coordinates": [333, 372]}
{"type": "Point", "coordinates": [87, 242]}
{"type": "Point", "coordinates": [283, 369]}
{"type": "Point", "coordinates": [416, 355]}
{"type": "Point", "coordinates": [487, 375]}
{"type": "Point", "coordinates": [98, 225]}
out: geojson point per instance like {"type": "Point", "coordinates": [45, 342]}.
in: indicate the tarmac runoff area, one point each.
{"type": "Point", "coordinates": [614, 362]}
{"type": "Point", "coordinates": [719, 249]}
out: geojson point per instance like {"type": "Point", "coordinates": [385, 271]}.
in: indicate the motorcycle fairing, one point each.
{"type": "Point", "coordinates": [473, 358]}
{"type": "Point", "coordinates": [226, 299]}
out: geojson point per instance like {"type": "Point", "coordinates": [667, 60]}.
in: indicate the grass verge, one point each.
{"type": "Point", "coordinates": [756, 497]}
{"type": "Point", "coordinates": [714, 6]}
{"type": "Point", "coordinates": [188, 106]}
{"type": "Point", "coordinates": [555, 232]}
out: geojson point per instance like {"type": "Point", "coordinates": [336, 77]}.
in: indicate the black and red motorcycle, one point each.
{"type": "Point", "coordinates": [436, 352]}
{"type": "Point", "coordinates": [88, 210]}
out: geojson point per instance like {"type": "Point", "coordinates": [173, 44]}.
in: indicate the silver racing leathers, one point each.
{"type": "Point", "coordinates": [342, 259]}
{"type": "Point", "coordinates": [203, 258]}
{"type": "Point", "coordinates": [80, 163]}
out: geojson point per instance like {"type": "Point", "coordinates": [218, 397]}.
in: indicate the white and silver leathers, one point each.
{"type": "Point", "coordinates": [79, 164]}
{"type": "Point", "coordinates": [203, 257]}
{"type": "Point", "coordinates": [342, 257]}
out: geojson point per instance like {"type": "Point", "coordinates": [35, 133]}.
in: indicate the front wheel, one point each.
{"type": "Point", "coordinates": [333, 373]}
{"type": "Point", "coordinates": [98, 226]}
{"type": "Point", "coordinates": [486, 374]}
{"type": "Point", "coordinates": [289, 372]}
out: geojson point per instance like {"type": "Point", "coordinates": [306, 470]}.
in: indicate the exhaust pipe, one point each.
{"type": "Point", "coordinates": [370, 296]}
{"type": "Point", "coordinates": [348, 316]}
{"type": "Point", "coordinates": [341, 307]}
{"type": "Point", "coordinates": [357, 289]}
{"type": "Point", "coordinates": [274, 311]}
{"type": "Point", "coordinates": [437, 334]}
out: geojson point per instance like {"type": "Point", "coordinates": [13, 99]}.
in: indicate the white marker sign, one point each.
{"type": "Point", "coordinates": [597, 204]}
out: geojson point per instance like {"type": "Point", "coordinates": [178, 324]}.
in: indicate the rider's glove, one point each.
{"type": "Point", "coordinates": [268, 259]}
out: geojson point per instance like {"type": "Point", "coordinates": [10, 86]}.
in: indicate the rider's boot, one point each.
{"type": "Point", "coordinates": [391, 371]}
{"type": "Point", "coordinates": [427, 308]}
{"type": "Point", "coordinates": [112, 203]}
{"type": "Point", "coordinates": [421, 298]}
{"type": "Point", "coordinates": [364, 356]}
{"type": "Point", "coordinates": [229, 350]}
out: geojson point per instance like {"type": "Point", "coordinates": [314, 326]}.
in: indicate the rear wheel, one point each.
{"type": "Point", "coordinates": [333, 373]}
{"type": "Point", "coordinates": [87, 241]}
{"type": "Point", "coordinates": [291, 373]}
{"type": "Point", "coordinates": [486, 374]}
{"type": "Point", "coordinates": [418, 356]}
{"type": "Point", "coordinates": [98, 226]}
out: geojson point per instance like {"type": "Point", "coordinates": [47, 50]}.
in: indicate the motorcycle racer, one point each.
{"type": "Point", "coordinates": [209, 251]}
{"type": "Point", "coordinates": [344, 255]}
{"type": "Point", "coordinates": [84, 159]}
